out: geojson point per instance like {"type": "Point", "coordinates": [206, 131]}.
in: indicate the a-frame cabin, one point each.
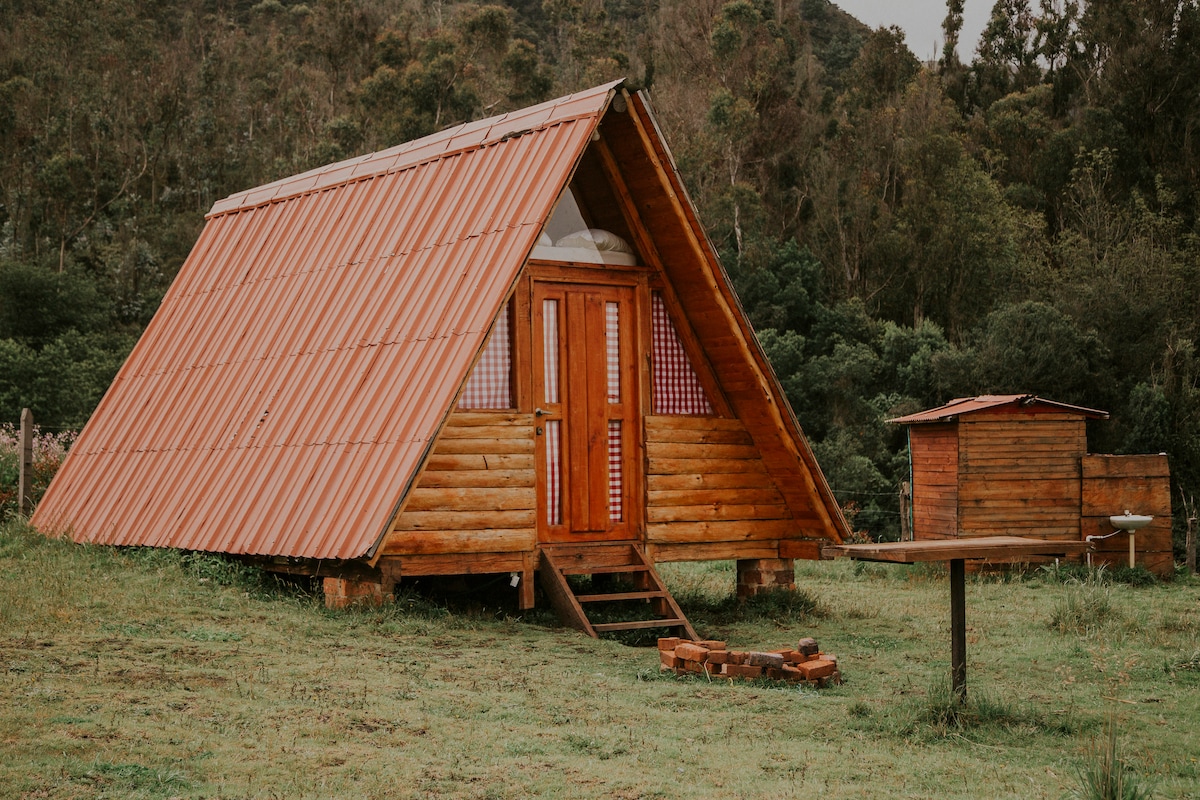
{"type": "Point", "coordinates": [504, 348]}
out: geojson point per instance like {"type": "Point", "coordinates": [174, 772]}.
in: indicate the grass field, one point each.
{"type": "Point", "coordinates": [153, 674]}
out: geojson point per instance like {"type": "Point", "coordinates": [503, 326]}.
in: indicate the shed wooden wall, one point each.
{"type": "Point", "coordinates": [474, 507]}
{"type": "Point", "coordinates": [708, 493]}
{"type": "Point", "coordinates": [934, 450]}
{"type": "Point", "coordinates": [1019, 475]}
{"type": "Point", "coordinates": [1141, 484]}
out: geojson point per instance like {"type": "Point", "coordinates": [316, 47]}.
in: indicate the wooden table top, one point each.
{"type": "Point", "coordinates": [952, 549]}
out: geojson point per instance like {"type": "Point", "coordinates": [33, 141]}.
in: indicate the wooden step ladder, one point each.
{"type": "Point", "coordinates": [608, 559]}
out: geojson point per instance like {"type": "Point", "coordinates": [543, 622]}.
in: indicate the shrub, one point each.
{"type": "Point", "coordinates": [49, 450]}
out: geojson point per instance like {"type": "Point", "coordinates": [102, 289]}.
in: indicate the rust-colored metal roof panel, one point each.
{"type": "Point", "coordinates": [967, 405]}
{"type": "Point", "coordinates": [286, 391]}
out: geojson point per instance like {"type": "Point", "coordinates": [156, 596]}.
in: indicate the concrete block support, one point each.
{"type": "Point", "coordinates": [755, 575]}
{"type": "Point", "coordinates": [344, 593]}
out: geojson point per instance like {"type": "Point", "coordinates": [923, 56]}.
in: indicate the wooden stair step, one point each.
{"type": "Point", "coordinates": [640, 624]}
{"type": "Point", "coordinates": [600, 598]}
{"type": "Point", "coordinates": [608, 570]}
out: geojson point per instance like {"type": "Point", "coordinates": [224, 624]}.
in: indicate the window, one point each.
{"type": "Point", "coordinates": [490, 384]}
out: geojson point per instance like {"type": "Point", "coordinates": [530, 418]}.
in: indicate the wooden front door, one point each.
{"type": "Point", "coordinates": [585, 392]}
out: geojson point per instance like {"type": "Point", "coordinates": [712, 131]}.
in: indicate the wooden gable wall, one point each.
{"type": "Point", "coordinates": [715, 315]}
{"type": "Point", "coordinates": [1019, 474]}
{"type": "Point", "coordinates": [934, 450]}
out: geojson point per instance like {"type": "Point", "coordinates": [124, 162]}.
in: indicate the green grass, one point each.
{"type": "Point", "coordinates": [153, 674]}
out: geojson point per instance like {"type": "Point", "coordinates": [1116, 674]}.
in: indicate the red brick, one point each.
{"type": "Point", "coordinates": [735, 657]}
{"type": "Point", "coordinates": [691, 652]}
{"type": "Point", "coordinates": [694, 666]}
{"type": "Point", "coordinates": [791, 673]}
{"type": "Point", "coordinates": [764, 660]}
{"type": "Point", "coordinates": [712, 644]}
{"type": "Point", "coordinates": [808, 646]}
{"type": "Point", "coordinates": [717, 657]}
{"type": "Point", "coordinates": [817, 668]}
{"type": "Point", "coordinates": [669, 642]}
{"type": "Point", "coordinates": [742, 671]}
{"type": "Point", "coordinates": [669, 659]}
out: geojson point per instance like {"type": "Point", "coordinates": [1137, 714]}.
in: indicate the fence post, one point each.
{"type": "Point", "coordinates": [906, 532]}
{"type": "Point", "coordinates": [1190, 545]}
{"type": "Point", "coordinates": [25, 473]}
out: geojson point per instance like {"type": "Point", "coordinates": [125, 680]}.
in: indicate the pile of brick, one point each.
{"type": "Point", "coordinates": [805, 664]}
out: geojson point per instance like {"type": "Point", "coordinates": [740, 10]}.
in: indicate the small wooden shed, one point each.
{"type": "Point", "coordinates": [1018, 464]}
{"type": "Point", "coordinates": [504, 348]}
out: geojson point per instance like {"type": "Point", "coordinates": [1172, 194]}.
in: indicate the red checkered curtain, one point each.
{"type": "Point", "coordinates": [677, 388]}
{"type": "Point", "coordinates": [490, 384]}
{"type": "Point", "coordinates": [612, 341]}
{"type": "Point", "coordinates": [553, 428]}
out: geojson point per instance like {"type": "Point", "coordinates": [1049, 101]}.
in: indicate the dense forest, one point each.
{"type": "Point", "coordinates": [900, 233]}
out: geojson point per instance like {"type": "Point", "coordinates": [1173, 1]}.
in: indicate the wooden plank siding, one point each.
{"type": "Point", "coordinates": [1141, 484]}
{"type": "Point", "coordinates": [476, 496]}
{"type": "Point", "coordinates": [711, 310]}
{"type": "Point", "coordinates": [935, 480]}
{"type": "Point", "coordinates": [708, 493]}
{"type": "Point", "coordinates": [1020, 475]}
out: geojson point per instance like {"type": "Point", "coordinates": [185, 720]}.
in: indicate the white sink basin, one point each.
{"type": "Point", "coordinates": [1130, 522]}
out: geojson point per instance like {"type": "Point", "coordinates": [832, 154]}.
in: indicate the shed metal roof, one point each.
{"type": "Point", "coordinates": [968, 405]}
{"type": "Point", "coordinates": [269, 407]}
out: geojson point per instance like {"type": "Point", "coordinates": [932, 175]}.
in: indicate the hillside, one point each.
{"type": "Point", "coordinates": [900, 234]}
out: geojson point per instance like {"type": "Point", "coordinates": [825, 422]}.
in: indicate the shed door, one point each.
{"type": "Point", "coordinates": [585, 394]}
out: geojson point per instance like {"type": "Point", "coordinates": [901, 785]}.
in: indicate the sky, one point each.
{"type": "Point", "coordinates": [921, 21]}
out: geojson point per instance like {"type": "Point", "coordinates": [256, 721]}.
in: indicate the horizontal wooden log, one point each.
{"type": "Point", "coordinates": [678, 466]}
{"type": "Point", "coordinates": [1105, 497]}
{"type": "Point", "coordinates": [698, 436]}
{"type": "Point", "coordinates": [492, 540]}
{"type": "Point", "coordinates": [1017, 515]}
{"type": "Point", "coordinates": [720, 551]}
{"type": "Point", "coordinates": [461, 461]}
{"type": "Point", "coordinates": [470, 499]}
{"type": "Point", "coordinates": [808, 549]}
{"type": "Point", "coordinates": [709, 480]}
{"type": "Point", "coordinates": [720, 531]}
{"type": "Point", "coordinates": [1137, 466]}
{"type": "Point", "coordinates": [488, 432]}
{"type": "Point", "coordinates": [716, 511]}
{"type": "Point", "coordinates": [697, 497]}
{"type": "Point", "coordinates": [463, 520]}
{"type": "Point", "coordinates": [478, 478]}
{"type": "Point", "coordinates": [663, 421]}
{"type": "Point", "coordinates": [677, 450]}
{"type": "Point", "coordinates": [1030, 531]}
{"type": "Point", "coordinates": [474, 419]}
{"type": "Point", "coordinates": [986, 467]}
{"type": "Point", "coordinates": [1161, 564]}
{"type": "Point", "coordinates": [1015, 490]}
{"type": "Point", "coordinates": [1021, 417]}
{"type": "Point", "coordinates": [456, 564]}
{"type": "Point", "coordinates": [483, 446]}
{"type": "Point", "coordinates": [1039, 438]}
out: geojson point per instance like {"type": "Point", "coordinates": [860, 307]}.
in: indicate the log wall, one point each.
{"type": "Point", "coordinates": [709, 495]}
{"type": "Point", "coordinates": [476, 496]}
{"type": "Point", "coordinates": [1140, 484]}
{"type": "Point", "coordinates": [1020, 476]}
{"type": "Point", "coordinates": [934, 451]}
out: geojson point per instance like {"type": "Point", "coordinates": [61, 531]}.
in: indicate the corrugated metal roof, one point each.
{"type": "Point", "coordinates": [967, 405]}
{"type": "Point", "coordinates": [285, 393]}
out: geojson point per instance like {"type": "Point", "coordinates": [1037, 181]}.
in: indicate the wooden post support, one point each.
{"type": "Point", "coordinates": [1190, 545]}
{"type": "Point", "coordinates": [906, 531]}
{"type": "Point", "coordinates": [25, 472]}
{"type": "Point", "coordinates": [958, 629]}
